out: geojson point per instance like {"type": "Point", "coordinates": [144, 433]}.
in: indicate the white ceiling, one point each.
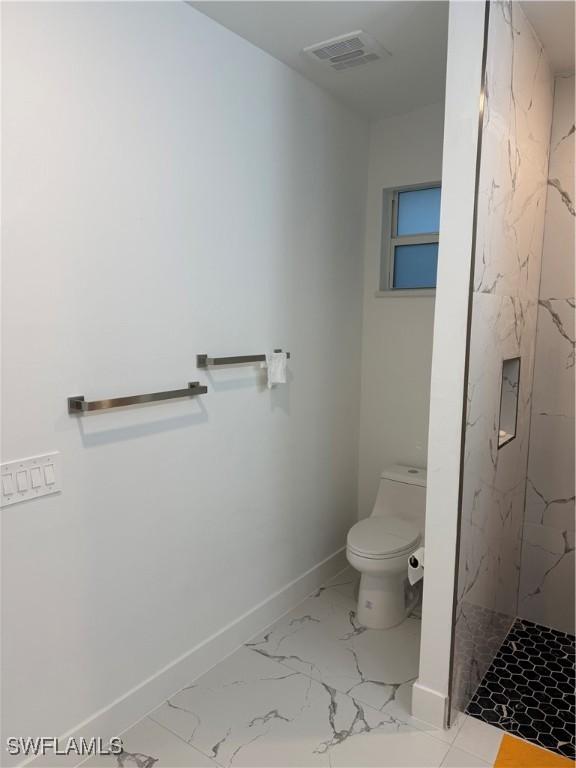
{"type": "Point", "coordinates": [553, 21]}
{"type": "Point", "coordinates": [415, 33]}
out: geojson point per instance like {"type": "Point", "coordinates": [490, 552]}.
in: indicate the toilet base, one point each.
{"type": "Point", "coordinates": [384, 601]}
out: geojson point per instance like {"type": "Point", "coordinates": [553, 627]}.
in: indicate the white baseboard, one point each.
{"type": "Point", "coordinates": [429, 705]}
{"type": "Point", "coordinates": [121, 714]}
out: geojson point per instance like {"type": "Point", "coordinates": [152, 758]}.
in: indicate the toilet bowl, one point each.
{"type": "Point", "coordinates": [379, 547]}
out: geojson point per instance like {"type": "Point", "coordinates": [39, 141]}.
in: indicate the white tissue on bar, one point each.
{"type": "Point", "coordinates": [416, 566]}
{"type": "Point", "coordinates": [276, 368]}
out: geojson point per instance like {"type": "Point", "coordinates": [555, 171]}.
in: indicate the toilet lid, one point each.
{"type": "Point", "coordinates": [383, 536]}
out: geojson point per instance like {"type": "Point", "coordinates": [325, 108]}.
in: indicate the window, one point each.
{"type": "Point", "coordinates": [411, 222]}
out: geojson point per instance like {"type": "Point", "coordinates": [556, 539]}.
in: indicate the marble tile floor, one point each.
{"type": "Point", "coordinates": [314, 689]}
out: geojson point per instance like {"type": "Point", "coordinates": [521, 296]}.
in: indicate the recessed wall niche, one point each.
{"type": "Point", "coordinates": [509, 400]}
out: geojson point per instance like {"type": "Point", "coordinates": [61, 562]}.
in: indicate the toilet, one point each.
{"type": "Point", "coordinates": [379, 547]}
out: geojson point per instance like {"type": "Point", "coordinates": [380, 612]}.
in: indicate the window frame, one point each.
{"type": "Point", "coordinates": [391, 239]}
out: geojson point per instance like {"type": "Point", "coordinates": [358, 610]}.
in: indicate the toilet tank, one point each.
{"type": "Point", "coordinates": [402, 493]}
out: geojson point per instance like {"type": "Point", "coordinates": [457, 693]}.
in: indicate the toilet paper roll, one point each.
{"type": "Point", "coordinates": [416, 566]}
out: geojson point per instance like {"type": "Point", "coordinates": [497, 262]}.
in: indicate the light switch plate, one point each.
{"type": "Point", "coordinates": [36, 476]}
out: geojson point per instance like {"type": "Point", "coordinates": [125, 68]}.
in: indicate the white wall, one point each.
{"type": "Point", "coordinates": [397, 331]}
{"type": "Point", "coordinates": [463, 80]}
{"type": "Point", "coordinates": [168, 190]}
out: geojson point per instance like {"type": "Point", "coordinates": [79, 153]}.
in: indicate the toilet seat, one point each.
{"type": "Point", "coordinates": [379, 538]}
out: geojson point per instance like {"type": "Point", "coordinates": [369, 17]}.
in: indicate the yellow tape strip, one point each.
{"type": "Point", "coordinates": [515, 753]}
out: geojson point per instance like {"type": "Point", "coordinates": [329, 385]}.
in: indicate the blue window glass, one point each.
{"type": "Point", "coordinates": [415, 265]}
{"type": "Point", "coordinates": [418, 211]}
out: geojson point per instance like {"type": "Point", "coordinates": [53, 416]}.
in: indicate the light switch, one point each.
{"type": "Point", "coordinates": [7, 485]}
{"type": "Point", "coordinates": [49, 474]}
{"type": "Point", "coordinates": [30, 478]}
{"type": "Point", "coordinates": [36, 477]}
{"type": "Point", "coordinates": [22, 481]}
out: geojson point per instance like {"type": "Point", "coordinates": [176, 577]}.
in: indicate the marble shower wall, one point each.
{"type": "Point", "coordinates": [511, 205]}
{"type": "Point", "coordinates": [547, 571]}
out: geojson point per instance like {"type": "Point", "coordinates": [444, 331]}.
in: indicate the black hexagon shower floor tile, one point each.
{"type": "Point", "coordinates": [529, 688]}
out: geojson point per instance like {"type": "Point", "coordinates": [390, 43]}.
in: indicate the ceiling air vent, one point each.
{"type": "Point", "coordinates": [346, 51]}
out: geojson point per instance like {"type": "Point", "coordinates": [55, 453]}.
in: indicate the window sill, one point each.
{"type": "Point", "coordinates": [398, 293]}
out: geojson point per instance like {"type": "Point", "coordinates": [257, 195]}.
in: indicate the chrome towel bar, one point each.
{"type": "Point", "coordinates": [203, 361]}
{"type": "Point", "coordinates": [77, 405]}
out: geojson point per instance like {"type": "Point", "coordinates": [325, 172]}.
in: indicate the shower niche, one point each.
{"type": "Point", "coordinates": [509, 400]}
